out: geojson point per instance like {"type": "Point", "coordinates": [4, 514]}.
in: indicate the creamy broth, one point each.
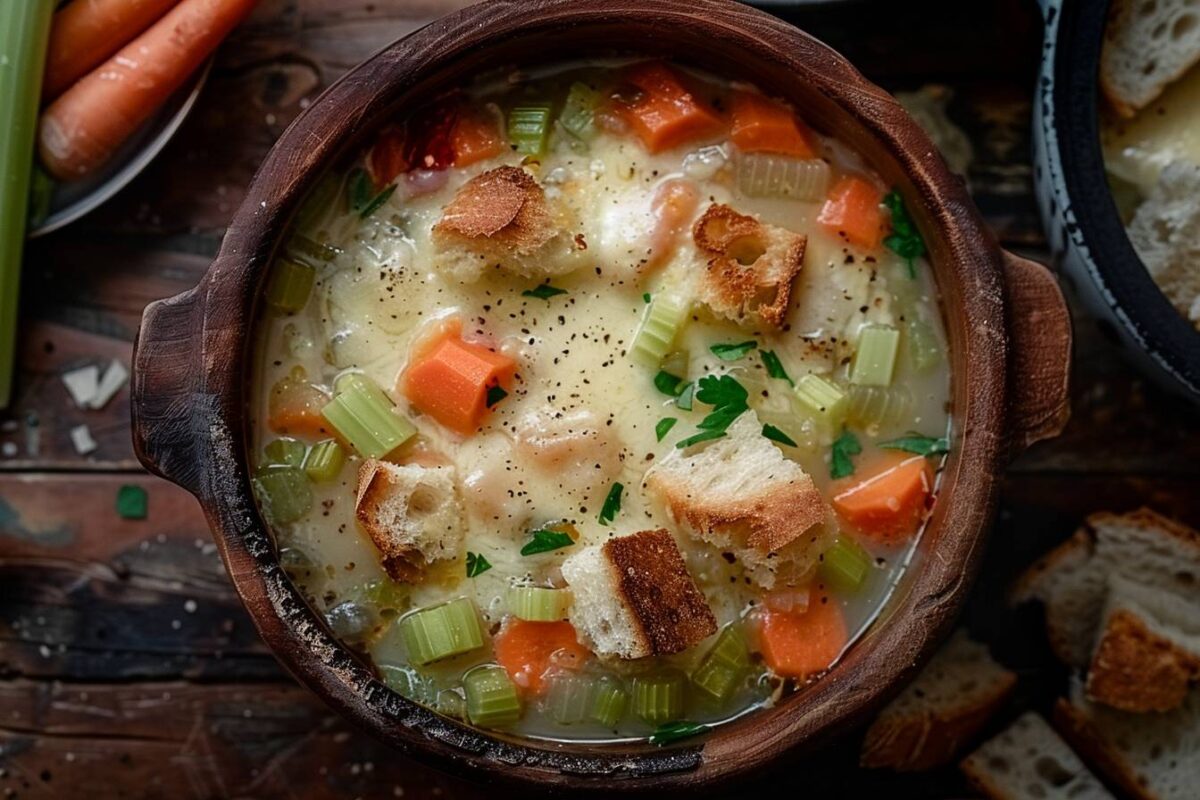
{"type": "Point", "coordinates": [580, 413]}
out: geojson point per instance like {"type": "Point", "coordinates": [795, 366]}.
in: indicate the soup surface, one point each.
{"type": "Point", "coordinates": [600, 402]}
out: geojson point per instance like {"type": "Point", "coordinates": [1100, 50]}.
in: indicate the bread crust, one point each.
{"type": "Point", "coordinates": [1135, 669]}
{"type": "Point", "coordinates": [652, 581]}
{"type": "Point", "coordinates": [1074, 726]}
{"type": "Point", "coordinates": [750, 265]}
{"type": "Point", "coordinates": [402, 558]}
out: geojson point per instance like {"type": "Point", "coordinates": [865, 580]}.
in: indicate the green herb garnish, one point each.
{"type": "Point", "coordinates": [477, 564]}
{"type": "Point", "coordinates": [612, 504]}
{"type": "Point", "coordinates": [359, 190]}
{"type": "Point", "coordinates": [904, 240]}
{"type": "Point", "coordinates": [544, 541]}
{"type": "Point", "coordinates": [132, 502]}
{"type": "Point", "coordinates": [721, 391]}
{"type": "Point", "coordinates": [775, 366]}
{"type": "Point", "coordinates": [732, 352]}
{"type": "Point", "coordinates": [686, 394]}
{"type": "Point", "coordinates": [921, 445]}
{"type": "Point", "coordinates": [844, 446]}
{"type": "Point", "coordinates": [776, 435]}
{"type": "Point", "coordinates": [494, 395]}
{"type": "Point", "coordinates": [645, 297]}
{"type": "Point", "coordinates": [703, 436]}
{"type": "Point", "coordinates": [664, 427]}
{"type": "Point", "coordinates": [543, 291]}
{"type": "Point", "coordinates": [674, 731]}
{"type": "Point", "coordinates": [667, 383]}
{"type": "Point", "coordinates": [376, 202]}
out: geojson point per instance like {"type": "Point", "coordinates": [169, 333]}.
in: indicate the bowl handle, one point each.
{"type": "Point", "coordinates": [1039, 328]}
{"type": "Point", "coordinates": [167, 398]}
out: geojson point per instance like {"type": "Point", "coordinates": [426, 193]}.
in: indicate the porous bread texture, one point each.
{"type": "Point", "coordinates": [1029, 760]}
{"type": "Point", "coordinates": [412, 513]}
{"type": "Point", "coordinates": [1165, 232]}
{"type": "Point", "coordinates": [1147, 44]}
{"type": "Point", "coordinates": [742, 496]}
{"type": "Point", "coordinates": [1150, 756]}
{"type": "Point", "coordinates": [950, 701]}
{"type": "Point", "coordinates": [749, 266]}
{"type": "Point", "coordinates": [502, 218]}
{"type": "Point", "coordinates": [633, 597]}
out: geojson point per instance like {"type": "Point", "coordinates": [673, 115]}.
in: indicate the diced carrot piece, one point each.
{"type": "Point", "coordinates": [761, 125]}
{"type": "Point", "coordinates": [802, 645]}
{"type": "Point", "coordinates": [449, 380]}
{"type": "Point", "coordinates": [387, 159]}
{"type": "Point", "coordinates": [476, 137]}
{"type": "Point", "coordinates": [294, 408]}
{"type": "Point", "coordinates": [890, 502]}
{"type": "Point", "coordinates": [666, 114]}
{"type": "Point", "coordinates": [853, 210]}
{"type": "Point", "coordinates": [528, 650]}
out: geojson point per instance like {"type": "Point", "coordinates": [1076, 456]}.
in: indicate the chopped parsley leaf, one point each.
{"type": "Point", "coordinates": [721, 390]}
{"type": "Point", "coordinates": [612, 504]}
{"type": "Point", "coordinates": [776, 435]}
{"type": "Point", "coordinates": [133, 503]}
{"type": "Point", "coordinates": [732, 352]}
{"type": "Point", "coordinates": [377, 202]}
{"type": "Point", "coordinates": [844, 446]}
{"type": "Point", "coordinates": [667, 383]}
{"type": "Point", "coordinates": [494, 395]}
{"type": "Point", "coordinates": [775, 366]}
{"type": "Point", "coordinates": [904, 240]}
{"type": "Point", "coordinates": [544, 541]}
{"type": "Point", "coordinates": [703, 436]}
{"type": "Point", "coordinates": [645, 297]}
{"type": "Point", "coordinates": [476, 564]}
{"type": "Point", "coordinates": [543, 292]}
{"type": "Point", "coordinates": [685, 394]}
{"type": "Point", "coordinates": [921, 445]}
{"type": "Point", "coordinates": [664, 427]}
{"type": "Point", "coordinates": [674, 731]}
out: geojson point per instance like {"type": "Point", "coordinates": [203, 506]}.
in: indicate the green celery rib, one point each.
{"type": "Point", "coordinates": [538, 604]}
{"type": "Point", "coordinates": [449, 629]}
{"type": "Point", "coordinates": [324, 461]}
{"type": "Point", "coordinates": [24, 32]}
{"type": "Point", "coordinates": [289, 285]}
{"type": "Point", "coordinates": [284, 493]}
{"type": "Point", "coordinates": [609, 701]}
{"type": "Point", "coordinates": [365, 417]}
{"type": "Point", "coordinates": [723, 666]}
{"type": "Point", "coordinates": [845, 564]}
{"type": "Point", "coordinates": [529, 127]}
{"type": "Point", "coordinates": [491, 697]}
{"type": "Point", "coordinates": [658, 698]}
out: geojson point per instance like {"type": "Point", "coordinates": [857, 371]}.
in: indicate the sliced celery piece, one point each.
{"type": "Point", "coordinates": [284, 493]}
{"type": "Point", "coordinates": [609, 701]}
{"type": "Point", "coordinates": [537, 604]}
{"type": "Point", "coordinates": [310, 252]}
{"type": "Point", "coordinates": [289, 285]}
{"type": "Point", "coordinates": [873, 406]}
{"type": "Point", "coordinates": [724, 665]}
{"type": "Point", "coordinates": [441, 631]}
{"type": "Point", "coordinates": [875, 357]}
{"type": "Point", "coordinates": [570, 698]}
{"type": "Point", "coordinates": [491, 697]}
{"type": "Point", "coordinates": [365, 417]}
{"type": "Point", "coordinates": [924, 350]}
{"type": "Point", "coordinates": [658, 698]}
{"type": "Point", "coordinates": [529, 127]}
{"type": "Point", "coordinates": [324, 461]}
{"type": "Point", "coordinates": [409, 683]}
{"type": "Point", "coordinates": [579, 112]}
{"type": "Point", "coordinates": [845, 564]}
{"type": "Point", "coordinates": [286, 452]}
{"type": "Point", "coordinates": [823, 402]}
{"type": "Point", "coordinates": [451, 704]}
{"type": "Point", "coordinates": [665, 318]}
{"type": "Point", "coordinates": [769, 175]}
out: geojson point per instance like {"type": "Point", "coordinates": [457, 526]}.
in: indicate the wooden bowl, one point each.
{"type": "Point", "coordinates": [1008, 329]}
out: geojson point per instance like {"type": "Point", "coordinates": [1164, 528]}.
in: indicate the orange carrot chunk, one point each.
{"type": "Point", "coordinates": [890, 502]}
{"type": "Point", "coordinates": [665, 114]}
{"type": "Point", "coordinates": [475, 137]}
{"type": "Point", "coordinates": [451, 379]}
{"type": "Point", "coordinates": [294, 408]}
{"type": "Point", "coordinates": [853, 211]}
{"type": "Point", "coordinates": [81, 130]}
{"type": "Point", "coordinates": [528, 650]}
{"type": "Point", "coordinates": [761, 125]}
{"type": "Point", "coordinates": [806, 644]}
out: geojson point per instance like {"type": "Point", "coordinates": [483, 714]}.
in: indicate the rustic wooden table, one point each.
{"type": "Point", "coordinates": [127, 665]}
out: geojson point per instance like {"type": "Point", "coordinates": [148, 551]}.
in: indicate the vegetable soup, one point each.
{"type": "Point", "coordinates": [602, 401]}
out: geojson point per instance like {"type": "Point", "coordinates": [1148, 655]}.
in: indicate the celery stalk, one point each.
{"type": "Point", "coordinates": [875, 357]}
{"type": "Point", "coordinates": [492, 699]}
{"type": "Point", "coordinates": [665, 318]}
{"type": "Point", "coordinates": [538, 604]}
{"type": "Point", "coordinates": [366, 418]}
{"type": "Point", "coordinates": [438, 632]}
{"type": "Point", "coordinates": [324, 461]}
{"type": "Point", "coordinates": [658, 698]}
{"type": "Point", "coordinates": [24, 31]}
{"type": "Point", "coordinates": [609, 700]}
{"type": "Point", "coordinates": [845, 565]}
{"type": "Point", "coordinates": [723, 666]}
{"type": "Point", "coordinates": [529, 127]}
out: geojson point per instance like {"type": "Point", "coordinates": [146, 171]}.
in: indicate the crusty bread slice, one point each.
{"type": "Point", "coordinates": [501, 218]}
{"type": "Point", "coordinates": [1142, 547]}
{"type": "Point", "coordinates": [750, 266]}
{"type": "Point", "coordinates": [1165, 232]}
{"type": "Point", "coordinates": [1147, 44]}
{"type": "Point", "coordinates": [740, 494]}
{"type": "Point", "coordinates": [413, 514]}
{"type": "Point", "coordinates": [929, 722]}
{"type": "Point", "coordinates": [1150, 756]}
{"type": "Point", "coordinates": [1148, 650]}
{"type": "Point", "coordinates": [633, 597]}
{"type": "Point", "coordinates": [1028, 760]}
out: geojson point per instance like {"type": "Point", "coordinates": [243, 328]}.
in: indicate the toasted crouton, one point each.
{"type": "Point", "coordinates": [1028, 760]}
{"type": "Point", "coordinates": [740, 494]}
{"type": "Point", "coordinates": [635, 598]}
{"type": "Point", "coordinates": [412, 514]}
{"type": "Point", "coordinates": [946, 706]}
{"type": "Point", "coordinates": [502, 218]}
{"type": "Point", "coordinates": [750, 265]}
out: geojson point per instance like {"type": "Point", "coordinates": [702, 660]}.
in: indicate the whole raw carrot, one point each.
{"type": "Point", "coordinates": [86, 32]}
{"type": "Point", "coordinates": [82, 128]}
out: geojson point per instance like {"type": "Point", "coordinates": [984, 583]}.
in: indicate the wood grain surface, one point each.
{"type": "Point", "coordinates": [127, 666]}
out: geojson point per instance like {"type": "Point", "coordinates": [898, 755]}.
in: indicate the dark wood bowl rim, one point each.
{"type": "Point", "coordinates": [218, 316]}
